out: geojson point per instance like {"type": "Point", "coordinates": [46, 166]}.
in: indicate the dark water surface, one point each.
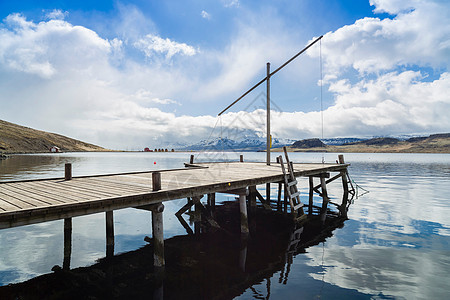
{"type": "Point", "coordinates": [395, 244]}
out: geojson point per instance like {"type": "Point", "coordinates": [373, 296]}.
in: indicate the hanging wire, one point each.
{"type": "Point", "coordinates": [321, 94]}
{"type": "Point", "coordinates": [219, 119]}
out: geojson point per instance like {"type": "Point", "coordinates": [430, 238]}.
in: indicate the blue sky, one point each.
{"type": "Point", "coordinates": [129, 74]}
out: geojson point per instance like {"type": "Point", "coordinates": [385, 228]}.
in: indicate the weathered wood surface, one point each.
{"type": "Point", "coordinates": [34, 201]}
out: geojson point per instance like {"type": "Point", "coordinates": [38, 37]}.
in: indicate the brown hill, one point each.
{"type": "Point", "coordinates": [19, 139]}
{"type": "Point", "coordinates": [308, 143]}
{"type": "Point", "coordinates": [436, 143]}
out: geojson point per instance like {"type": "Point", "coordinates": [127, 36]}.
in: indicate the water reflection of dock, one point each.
{"type": "Point", "coordinates": [35, 201]}
{"type": "Point", "coordinates": [214, 264]}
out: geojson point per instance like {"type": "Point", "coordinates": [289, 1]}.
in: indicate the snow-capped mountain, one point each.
{"type": "Point", "coordinates": [244, 144]}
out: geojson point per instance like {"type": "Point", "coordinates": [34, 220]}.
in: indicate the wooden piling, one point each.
{"type": "Point", "coordinates": [109, 216]}
{"type": "Point", "coordinates": [191, 160]}
{"type": "Point", "coordinates": [252, 196]}
{"type": "Point", "coordinates": [156, 181]}
{"type": "Point", "coordinates": [211, 200]}
{"type": "Point", "coordinates": [325, 199]}
{"type": "Point", "coordinates": [279, 204]}
{"type": "Point", "coordinates": [158, 235]}
{"type": "Point", "coordinates": [67, 243]}
{"type": "Point", "coordinates": [243, 252]}
{"type": "Point", "coordinates": [68, 171]}
{"type": "Point", "coordinates": [311, 195]}
{"type": "Point", "coordinates": [198, 212]}
{"type": "Point", "coordinates": [244, 216]}
{"type": "Point", "coordinates": [241, 158]}
{"type": "Point", "coordinates": [343, 207]}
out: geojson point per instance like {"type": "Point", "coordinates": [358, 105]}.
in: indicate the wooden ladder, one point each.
{"type": "Point", "coordinates": [290, 185]}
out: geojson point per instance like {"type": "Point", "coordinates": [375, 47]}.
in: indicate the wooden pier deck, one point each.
{"type": "Point", "coordinates": [35, 201]}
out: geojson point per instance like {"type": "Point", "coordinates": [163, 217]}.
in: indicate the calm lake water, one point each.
{"type": "Point", "coordinates": [394, 245]}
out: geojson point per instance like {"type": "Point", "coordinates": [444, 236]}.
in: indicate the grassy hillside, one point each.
{"type": "Point", "coordinates": [19, 139]}
{"type": "Point", "coordinates": [436, 143]}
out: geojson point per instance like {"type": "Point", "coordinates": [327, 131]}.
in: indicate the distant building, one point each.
{"type": "Point", "coordinates": [55, 149]}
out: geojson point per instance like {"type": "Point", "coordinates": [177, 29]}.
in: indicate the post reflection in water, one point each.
{"type": "Point", "coordinates": [214, 262]}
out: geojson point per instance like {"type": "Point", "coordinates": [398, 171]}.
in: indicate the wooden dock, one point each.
{"type": "Point", "coordinates": [35, 201]}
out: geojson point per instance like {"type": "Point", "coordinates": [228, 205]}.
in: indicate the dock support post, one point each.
{"type": "Point", "coordinates": [198, 214]}
{"type": "Point", "coordinates": [325, 199]}
{"type": "Point", "coordinates": [158, 235]}
{"type": "Point", "coordinates": [311, 195]}
{"type": "Point", "coordinates": [268, 193]}
{"type": "Point", "coordinates": [343, 207]}
{"type": "Point", "coordinates": [241, 158]}
{"type": "Point", "coordinates": [109, 215]}
{"type": "Point", "coordinates": [68, 171]}
{"type": "Point", "coordinates": [252, 196]}
{"type": "Point", "coordinates": [67, 243]}
{"type": "Point", "coordinates": [191, 160]}
{"type": "Point", "coordinates": [279, 203]}
{"type": "Point", "coordinates": [244, 216]}
{"type": "Point", "coordinates": [211, 200]}
{"type": "Point", "coordinates": [243, 252]}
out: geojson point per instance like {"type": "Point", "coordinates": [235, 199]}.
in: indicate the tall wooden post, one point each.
{"type": "Point", "coordinates": [156, 181]}
{"type": "Point", "coordinates": [191, 160]}
{"type": "Point", "coordinates": [68, 171]}
{"type": "Point", "coordinates": [268, 114]}
{"type": "Point", "coordinates": [109, 216]}
{"type": "Point", "coordinates": [158, 235]}
{"type": "Point", "coordinates": [67, 243]}
{"type": "Point", "coordinates": [241, 158]}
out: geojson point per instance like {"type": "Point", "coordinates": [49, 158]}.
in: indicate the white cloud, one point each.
{"type": "Point", "coordinates": [68, 79]}
{"type": "Point", "coordinates": [205, 15]}
{"type": "Point", "coordinates": [231, 3]}
{"type": "Point", "coordinates": [49, 47]}
{"type": "Point", "coordinates": [56, 14]}
{"type": "Point", "coordinates": [413, 37]}
{"type": "Point", "coordinates": [151, 44]}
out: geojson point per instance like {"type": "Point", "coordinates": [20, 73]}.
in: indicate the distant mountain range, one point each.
{"type": "Point", "coordinates": [437, 143]}
{"type": "Point", "coordinates": [226, 144]}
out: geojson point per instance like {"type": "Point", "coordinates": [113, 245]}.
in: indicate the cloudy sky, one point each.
{"type": "Point", "coordinates": [130, 74]}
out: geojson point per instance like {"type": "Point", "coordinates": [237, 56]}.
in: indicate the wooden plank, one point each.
{"type": "Point", "coordinates": [77, 185]}
{"type": "Point", "coordinates": [37, 188]}
{"type": "Point", "coordinates": [52, 189]}
{"type": "Point", "coordinates": [129, 185]}
{"type": "Point", "coordinates": [292, 183]}
{"type": "Point", "coordinates": [6, 206]}
{"type": "Point", "coordinates": [21, 204]}
{"type": "Point", "coordinates": [32, 195]}
{"type": "Point", "coordinates": [75, 192]}
{"type": "Point", "coordinates": [6, 191]}
{"type": "Point", "coordinates": [108, 189]}
{"type": "Point", "coordinates": [296, 194]}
